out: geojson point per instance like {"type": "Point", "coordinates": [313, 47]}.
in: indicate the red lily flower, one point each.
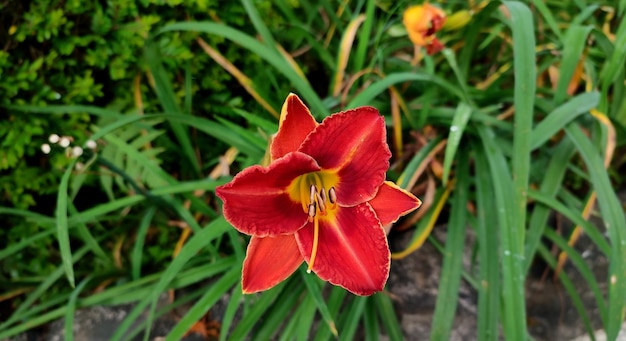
{"type": "Point", "coordinates": [323, 199]}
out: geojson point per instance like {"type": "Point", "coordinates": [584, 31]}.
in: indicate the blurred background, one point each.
{"type": "Point", "coordinates": [119, 119]}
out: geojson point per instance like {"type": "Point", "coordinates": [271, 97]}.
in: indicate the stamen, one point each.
{"type": "Point", "coordinates": [323, 194]}
{"type": "Point", "coordinates": [332, 195]}
{"type": "Point", "coordinates": [320, 202]}
{"type": "Point", "coordinates": [312, 194]}
{"type": "Point", "coordinates": [316, 231]}
{"type": "Point", "coordinates": [312, 211]}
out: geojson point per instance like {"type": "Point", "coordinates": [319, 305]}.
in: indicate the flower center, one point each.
{"type": "Point", "coordinates": [316, 192]}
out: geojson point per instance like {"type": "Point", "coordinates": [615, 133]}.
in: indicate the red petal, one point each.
{"type": "Point", "coordinates": [352, 251]}
{"type": "Point", "coordinates": [268, 262]}
{"type": "Point", "coordinates": [434, 46]}
{"type": "Point", "coordinates": [296, 122]}
{"type": "Point", "coordinates": [256, 202]}
{"type": "Point", "coordinates": [353, 142]}
{"type": "Point", "coordinates": [391, 202]}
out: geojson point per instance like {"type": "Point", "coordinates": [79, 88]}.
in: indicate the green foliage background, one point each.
{"type": "Point", "coordinates": [89, 52]}
{"type": "Point", "coordinates": [130, 74]}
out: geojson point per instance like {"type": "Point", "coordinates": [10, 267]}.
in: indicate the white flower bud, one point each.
{"type": "Point", "coordinates": [54, 138]}
{"type": "Point", "coordinates": [77, 151]}
{"type": "Point", "coordinates": [45, 148]}
{"type": "Point", "coordinates": [64, 141]}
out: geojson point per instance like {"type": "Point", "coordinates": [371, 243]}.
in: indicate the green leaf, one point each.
{"type": "Point", "coordinates": [376, 88]}
{"type": "Point", "coordinates": [561, 116]}
{"type": "Point", "coordinates": [261, 50]}
{"type": "Point", "coordinates": [461, 116]}
{"type": "Point", "coordinates": [574, 43]}
{"type": "Point", "coordinates": [315, 292]}
{"type": "Point", "coordinates": [197, 242]}
{"type": "Point", "coordinates": [448, 294]}
{"type": "Point", "coordinates": [615, 222]}
{"type": "Point", "coordinates": [488, 252]}
{"type": "Point", "coordinates": [71, 309]}
{"type": "Point", "coordinates": [513, 236]}
{"type": "Point", "coordinates": [200, 308]}
{"type": "Point", "coordinates": [63, 236]}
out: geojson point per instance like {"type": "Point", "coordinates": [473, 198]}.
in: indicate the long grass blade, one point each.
{"type": "Point", "coordinates": [574, 43]}
{"type": "Point", "coordinates": [349, 321]}
{"type": "Point", "coordinates": [199, 240]}
{"type": "Point", "coordinates": [314, 291]}
{"type": "Point", "coordinates": [488, 256]}
{"type": "Point", "coordinates": [165, 93]}
{"type": "Point", "coordinates": [552, 181]}
{"type": "Point", "coordinates": [199, 309]}
{"type": "Point", "coordinates": [615, 222]}
{"type": "Point", "coordinates": [448, 293]}
{"type": "Point", "coordinates": [269, 54]}
{"type": "Point", "coordinates": [570, 287]}
{"type": "Point", "coordinates": [63, 235]}
{"type": "Point", "coordinates": [461, 116]}
{"type": "Point", "coordinates": [137, 253]}
{"type": "Point", "coordinates": [512, 292]}
{"type": "Point", "coordinates": [378, 87]}
{"type": "Point", "coordinates": [524, 98]}
{"type": "Point", "coordinates": [561, 116]}
{"type": "Point", "coordinates": [71, 309]}
{"type": "Point", "coordinates": [387, 315]}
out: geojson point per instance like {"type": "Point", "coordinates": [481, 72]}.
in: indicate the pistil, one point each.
{"type": "Point", "coordinates": [318, 203]}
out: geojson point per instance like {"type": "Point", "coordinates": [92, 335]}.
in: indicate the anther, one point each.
{"type": "Point", "coordinates": [332, 195]}
{"type": "Point", "coordinates": [323, 194]}
{"type": "Point", "coordinates": [320, 202]}
{"type": "Point", "coordinates": [312, 195]}
{"type": "Point", "coordinates": [312, 211]}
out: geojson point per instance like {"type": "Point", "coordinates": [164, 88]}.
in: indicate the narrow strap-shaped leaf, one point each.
{"type": "Point", "coordinates": [363, 47]}
{"type": "Point", "coordinates": [314, 290]}
{"type": "Point", "coordinates": [592, 232]}
{"type": "Point", "coordinates": [165, 93]}
{"type": "Point", "coordinates": [349, 321]}
{"type": "Point", "coordinates": [266, 53]}
{"type": "Point", "coordinates": [615, 222]}
{"type": "Point", "coordinates": [547, 15]}
{"type": "Point", "coordinates": [71, 309]}
{"type": "Point", "coordinates": [561, 116]}
{"type": "Point", "coordinates": [335, 301]}
{"type": "Point", "coordinates": [573, 46]}
{"type": "Point", "coordinates": [278, 314]}
{"type": "Point", "coordinates": [552, 181]}
{"type": "Point", "coordinates": [524, 99]}
{"type": "Point", "coordinates": [196, 243]}
{"type": "Point", "coordinates": [582, 267]}
{"type": "Point", "coordinates": [512, 289]}
{"type": "Point", "coordinates": [376, 88]}
{"type": "Point", "coordinates": [459, 121]}
{"type": "Point", "coordinates": [570, 287]}
{"type": "Point", "coordinates": [488, 256]}
{"type": "Point", "coordinates": [448, 294]}
{"type": "Point", "coordinates": [387, 315]}
{"type": "Point", "coordinates": [137, 253]}
{"type": "Point", "coordinates": [259, 308]}
{"type": "Point", "coordinates": [370, 321]}
{"type": "Point", "coordinates": [231, 310]}
{"type": "Point", "coordinates": [199, 309]}
{"type": "Point", "coordinates": [63, 236]}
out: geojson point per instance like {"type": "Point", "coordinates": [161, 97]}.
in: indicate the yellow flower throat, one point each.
{"type": "Point", "coordinates": [316, 192]}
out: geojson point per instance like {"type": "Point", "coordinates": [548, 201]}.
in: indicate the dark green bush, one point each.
{"type": "Point", "coordinates": [92, 53]}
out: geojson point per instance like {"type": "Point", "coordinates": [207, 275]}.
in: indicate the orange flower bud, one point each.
{"type": "Point", "coordinates": [422, 22]}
